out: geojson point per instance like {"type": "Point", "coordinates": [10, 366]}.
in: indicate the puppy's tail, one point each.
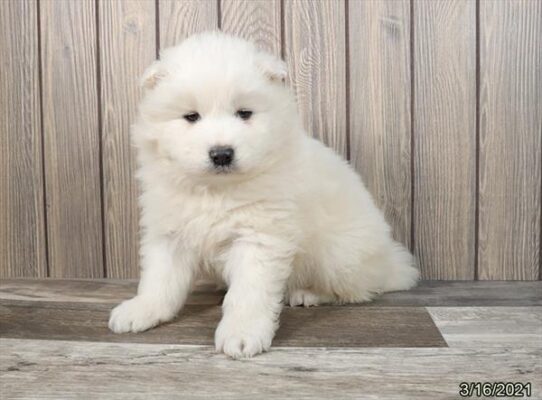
{"type": "Point", "coordinates": [401, 272]}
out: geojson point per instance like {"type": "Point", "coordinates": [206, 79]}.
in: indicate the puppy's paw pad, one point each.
{"type": "Point", "coordinates": [302, 297]}
{"type": "Point", "coordinates": [136, 315]}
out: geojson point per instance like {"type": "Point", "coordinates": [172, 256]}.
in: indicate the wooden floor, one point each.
{"type": "Point", "coordinates": [421, 344]}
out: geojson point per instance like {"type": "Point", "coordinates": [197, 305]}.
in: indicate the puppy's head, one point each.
{"type": "Point", "coordinates": [215, 107]}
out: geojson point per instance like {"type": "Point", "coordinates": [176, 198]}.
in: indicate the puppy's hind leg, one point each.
{"type": "Point", "coordinates": [306, 298]}
{"type": "Point", "coordinates": [164, 286]}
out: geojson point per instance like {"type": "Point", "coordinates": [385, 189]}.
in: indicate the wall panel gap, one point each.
{"type": "Point", "coordinates": [282, 39]}
{"type": "Point", "coordinates": [43, 166]}
{"type": "Point", "coordinates": [347, 76]}
{"type": "Point", "coordinates": [157, 26]}
{"type": "Point", "coordinates": [219, 13]}
{"type": "Point", "coordinates": [100, 137]}
{"type": "Point", "coordinates": [412, 125]}
{"type": "Point", "coordinates": [477, 149]}
{"type": "Point", "coordinates": [40, 85]}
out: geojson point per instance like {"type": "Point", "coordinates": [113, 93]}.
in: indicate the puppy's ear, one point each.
{"type": "Point", "coordinates": [152, 75]}
{"type": "Point", "coordinates": [273, 68]}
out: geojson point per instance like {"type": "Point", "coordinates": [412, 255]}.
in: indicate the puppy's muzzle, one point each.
{"type": "Point", "coordinates": [221, 156]}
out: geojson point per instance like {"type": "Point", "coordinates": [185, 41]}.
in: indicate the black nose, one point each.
{"type": "Point", "coordinates": [221, 156]}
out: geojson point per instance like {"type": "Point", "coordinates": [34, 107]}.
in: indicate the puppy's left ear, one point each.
{"type": "Point", "coordinates": [152, 75]}
{"type": "Point", "coordinates": [273, 68]}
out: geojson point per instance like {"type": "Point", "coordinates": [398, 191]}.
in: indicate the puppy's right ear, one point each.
{"type": "Point", "coordinates": [152, 75]}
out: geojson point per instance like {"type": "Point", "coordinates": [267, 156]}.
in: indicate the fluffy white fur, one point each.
{"type": "Point", "coordinates": [291, 222]}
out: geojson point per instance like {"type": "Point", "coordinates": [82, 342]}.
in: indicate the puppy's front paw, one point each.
{"type": "Point", "coordinates": [137, 315]}
{"type": "Point", "coordinates": [243, 338]}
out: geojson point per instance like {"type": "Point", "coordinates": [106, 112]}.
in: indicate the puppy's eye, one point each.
{"type": "Point", "coordinates": [192, 117]}
{"type": "Point", "coordinates": [244, 114]}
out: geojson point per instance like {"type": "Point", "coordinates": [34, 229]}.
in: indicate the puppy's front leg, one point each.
{"type": "Point", "coordinates": [256, 273]}
{"type": "Point", "coordinates": [166, 279]}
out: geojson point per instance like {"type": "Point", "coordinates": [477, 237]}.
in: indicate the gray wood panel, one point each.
{"type": "Point", "coordinates": [179, 19]}
{"type": "Point", "coordinates": [127, 46]}
{"type": "Point", "coordinates": [60, 369]}
{"type": "Point", "coordinates": [255, 20]}
{"type": "Point", "coordinates": [483, 327]}
{"type": "Point", "coordinates": [335, 326]}
{"type": "Point", "coordinates": [71, 138]}
{"type": "Point", "coordinates": [510, 139]}
{"type": "Point", "coordinates": [428, 293]}
{"type": "Point", "coordinates": [466, 294]}
{"type": "Point", "coordinates": [315, 48]}
{"type": "Point", "coordinates": [379, 71]}
{"type": "Point", "coordinates": [445, 138]}
{"type": "Point", "coordinates": [22, 227]}
{"type": "Point", "coordinates": [108, 291]}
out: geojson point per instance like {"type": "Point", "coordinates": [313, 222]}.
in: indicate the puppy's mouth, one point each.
{"type": "Point", "coordinates": [223, 169]}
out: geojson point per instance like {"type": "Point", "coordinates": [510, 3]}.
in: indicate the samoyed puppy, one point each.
{"type": "Point", "coordinates": [235, 190]}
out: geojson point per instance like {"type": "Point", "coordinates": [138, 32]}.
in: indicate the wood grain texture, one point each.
{"type": "Point", "coordinates": [127, 46]}
{"type": "Point", "coordinates": [71, 138]}
{"type": "Point", "coordinates": [483, 327]}
{"type": "Point", "coordinates": [510, 139]}
{"type": "Point", "coordinates": [108, 291]}
{"type": "Point", "coordinates": [445, 138]}
{"type": "Point", "coordinates": [22, 227]}
{"type": "Point", "coordinates": [465, 294]}
{"type": "Point", "coordinates": [255, 20]}
{"type": "Point", "coordinates": [57, 369]}
{"type": "Point", "coordinates": [179, 19]}
{"type": "Point", "coordinates": [428, 293]}
{"type": "Point", "coordinates": [310, 327]}
{"type": "Point", "coordinates": [315, 48]}
{"type": "Point", "coordinates": [379, 54]}
{"type": "Point", "coordinates": [351, 71]}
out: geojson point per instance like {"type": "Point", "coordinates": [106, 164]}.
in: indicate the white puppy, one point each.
{"type": "Point", "coordinates": [234, 189]}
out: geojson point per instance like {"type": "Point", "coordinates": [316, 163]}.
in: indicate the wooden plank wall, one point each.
{"type": "Point", "coordinates": [444, 137]}
{"type": "Point", "coordinates": [438, 105]}
{"type": "Point", "coordinates": [380, 106]}
{"type": "Point", "coordinates": [127, 31]}
{"type": "Point", "coordinates": [510, 139]}
{"type": "Point", "coordinates": [70, 136]}
{"type": "Point", "coordinates": [22, 214]}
